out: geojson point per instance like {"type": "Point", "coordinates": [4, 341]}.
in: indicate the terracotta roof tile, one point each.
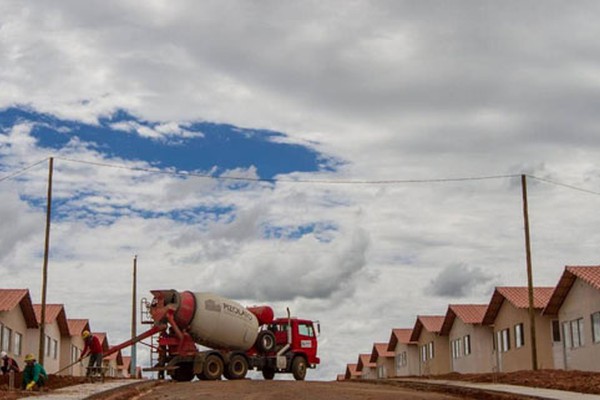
{"type": "Point", "coordinates": [399, 336]}
{"type": "Point", "coordinates": [10, 298]}
{"type": "Point", "coordinates": [431, 323]}
{"type": "Point", "coordinates": [364, 361]}
{"type": "Point", "coordinates": [467, 313]}
{"type": "Point", "coordinates": [351, 371]}
{"type": "Point", "coordinates": [518, 297]}
{"type": "Point", "coordinates": [380, 350]}
{"type": "Point", "coordinates": [77, 326]}
{"type": "Point", "coordinates": [103, 340]}
{"type": "Point", "coordinates": [588, 274]}
{"type": "Point", "coordinates": [54, 312]}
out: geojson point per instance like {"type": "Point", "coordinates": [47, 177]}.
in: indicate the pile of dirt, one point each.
{"type": "Point", "coordinates": [574, 381]}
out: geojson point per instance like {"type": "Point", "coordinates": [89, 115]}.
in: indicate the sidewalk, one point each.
{"type": "Point", "coordinates": [80, 392]}
{"type": "Point", "coordinates": [538, 393]}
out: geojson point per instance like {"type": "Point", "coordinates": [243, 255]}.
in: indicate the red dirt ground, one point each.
{"type": "Point", "coordinates": [574, 381]}
{"type": "Point", "coordinates": [54, 382]}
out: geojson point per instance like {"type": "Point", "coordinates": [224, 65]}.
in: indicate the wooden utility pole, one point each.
{"type": "Point", "coordinates": [132, 366]}
{"type": "Point", "coordinates": [45, 267]}
{"type": "Point", "coordinates": [534, 363]}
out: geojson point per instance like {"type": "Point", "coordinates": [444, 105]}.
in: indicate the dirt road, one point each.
{"type": "Point", "coordinates": [285, 390]}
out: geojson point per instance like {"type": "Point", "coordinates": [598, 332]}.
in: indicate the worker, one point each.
{"type": "Point", "coordinates": [34, 375]}
{"type": "Point", "coordinates": [8, 364]}
{"type": "Point", "coordinates": [93, 347]}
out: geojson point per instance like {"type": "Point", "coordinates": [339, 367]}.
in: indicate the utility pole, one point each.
{"type": "Point", "coordinates": [132, 366]}
{"type": "Point", "coordinates": [45, 266]}
{"type": "Point", "coordinates": [534, 363]}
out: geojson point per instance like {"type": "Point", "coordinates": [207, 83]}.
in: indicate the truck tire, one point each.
{"type": "Point", "coordinates": [265, 341]}
{"type": "Point", "coordinates": [237, 368]}
{"type": "Point", "coordinates": [184, 372]}
{"type": "Point", "coordinates": [299, 367]}
{"type": "Point", "coordinates": [213, 367]}
{"type": "Point", "coordinates": [268, 373]}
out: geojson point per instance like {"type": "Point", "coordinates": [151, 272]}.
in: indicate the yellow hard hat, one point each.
{"type": "Point", "coordinates": [29, 357]}
{"type": "Point", "coordinates": [85, 334]}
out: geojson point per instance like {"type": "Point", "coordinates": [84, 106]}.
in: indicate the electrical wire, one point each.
{"type": "Point", "coordinates": [317, 181]}
{"type": "Point", "coordinates": [565, 185]}
{"type": "Point", "coordinates": [22, 170]}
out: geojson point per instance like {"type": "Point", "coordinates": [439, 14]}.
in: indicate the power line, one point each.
{"type": "Point", "coordinates": [22, 170]}
{"type": "Point", "coordinates": [318, 181]}
{"type": "Point", "coordinates": [565, 185]}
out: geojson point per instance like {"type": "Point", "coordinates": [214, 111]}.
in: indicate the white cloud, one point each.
{"type": "Point", "coordinates": [397, 90]}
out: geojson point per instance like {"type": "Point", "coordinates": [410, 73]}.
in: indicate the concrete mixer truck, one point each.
{"type": "Point", "coordinates": [238, 338]}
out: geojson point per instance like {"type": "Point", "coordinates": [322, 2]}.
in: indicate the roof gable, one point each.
{"type": "Point", "coordinates": [364, 361]}
{"type": "Point", "coordinates": [351, 371]}
{"type": "Point", "coordinates": [588, 274]}
{"type": "Point", "coordinates": [399, 336]}
{"type": "Point", "coordinates": [54, 313]}
{"type": "Point", "coordinates": [468, 313]}
{"type": "Point", "coordinates": [380, 350]}
{"type": "Point", "coordinates": [431, 323]}
{"type": "Point", "coordinates": [517, 297]}
{"type": "Point", "coordinates": [77, 326]}
{"type": "Point", "coordinates": [10, 298]}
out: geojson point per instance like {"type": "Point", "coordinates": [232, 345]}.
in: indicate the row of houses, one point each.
{"type": "Point", "coordinates": [496, 337]}
{"type": "Point", "coordinates": [63, 344]}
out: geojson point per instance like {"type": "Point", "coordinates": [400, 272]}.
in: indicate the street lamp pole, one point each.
{"type": "Point", "coordinates": [45, 266]}
{"type": "Point", "coordinates": [132, 367]}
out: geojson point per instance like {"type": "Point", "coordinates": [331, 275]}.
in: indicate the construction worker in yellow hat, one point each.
{"type": "Point", "coordinates": [93, 347]}
{"type": "Point", "coordinates": [34, 375]}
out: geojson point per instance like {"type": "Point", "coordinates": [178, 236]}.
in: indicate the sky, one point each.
{"type": "Point", "coordinates": [356, 161]}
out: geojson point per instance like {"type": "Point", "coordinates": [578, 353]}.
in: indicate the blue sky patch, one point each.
{"type": "Point", "coordinates": [195, 146]}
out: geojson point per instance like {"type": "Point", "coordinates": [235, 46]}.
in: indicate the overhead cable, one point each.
{"type": "Point", "coordinates": [22, 170]}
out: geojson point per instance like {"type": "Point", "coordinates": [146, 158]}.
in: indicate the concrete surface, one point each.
{"type": "Point", "coordinates": [79, 392]}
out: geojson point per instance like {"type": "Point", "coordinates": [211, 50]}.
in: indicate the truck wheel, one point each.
{"type": "Point", "coordinates": [184, 372]}
{"type": "Point", "coordinates": [213, 367]}
{"type": "Point", "coordinates": [299, 368]}
{"type": "Point", "coordinates": [265, 342]}
{"type": "Point", "coordinates": [268, 373]}
{"type": "Point", "coordinates": [237, 367]}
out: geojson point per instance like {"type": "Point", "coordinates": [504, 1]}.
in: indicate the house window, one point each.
{"type": "Point", "coordinates": [519, 338]}
{"type": "Point", "coordinates": [400, 360]}
{"type": "Point", "coordinates": [456, 348]}
{"type": "Point", "coordinates": [54, 349]}
{"type": "Point", "coordinates": [467, 344]}
{"type": "Point", "coordinates": [424, 353]}
{"type": "Point", "coordinates": [431, 352]}
{"type": "Point", "coordinates": [596, 327]}
{"type": "Point", "coordinates": [6, 338]}
{"type": "Point", "coordinates": [18, 350]}
{"type": "Point", "coordinates": [567, 335]}
{"type": "Point", "coordinates": [577, 332]}
{"type": "Point", "coordinates": [555, 331]}
{"type": "Point", "coordinates": [504, 340]}
{"type": "Point", "coordinates": [48, 346]}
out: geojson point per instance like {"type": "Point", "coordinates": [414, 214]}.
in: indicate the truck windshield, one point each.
{"type": "Point", "coordinates": [306, 330]}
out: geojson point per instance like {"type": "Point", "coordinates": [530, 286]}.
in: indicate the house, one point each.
{"type": "Point", "coordinates": [406, 353]}
{"type": "Point", "coordinates": [340, 377]}
{"type": "Point", "coordinates": [471, 342]}
{"type": "Point", "coordinates": [124, 370]}
{"type": "Point", "coordinates": [55, 328]}
{"type": "Point", "coordinates": [575, 301]}
{"type": "Point", "coordinates": [73, 346]}
{"type": "Point", "coordinates": [366, 367]}
{"type": "Point", "coordinates": [434, 357]}
{"type": "Point", "coordinates": [17, 319]}
{"type": "Point", "coordinates": [352, 372]}
{"type": "Point", "coordinates": [114, 362]}
{"type": "Point", "coordinates": [383, 359]}
{"type": "Point", "coordinates": [508, 315]}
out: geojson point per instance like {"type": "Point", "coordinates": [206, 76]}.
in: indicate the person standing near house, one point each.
{"type": "Point", "coordinates": [8, 364]}
{"type": "Point", "coordinates": [33, 374]}
{"type": "Point", "coordinates": [93, 347]}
